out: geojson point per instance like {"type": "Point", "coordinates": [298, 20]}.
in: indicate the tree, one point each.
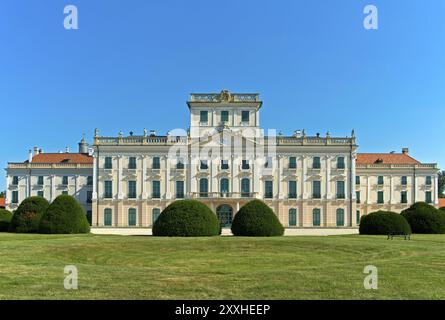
{"type": "Point", "coordinates": [441, 178]}
{"type": "Point", "coordinates": [27, 217]}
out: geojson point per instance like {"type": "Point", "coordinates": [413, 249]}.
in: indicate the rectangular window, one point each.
{"type": "Point", "coordinates": [357, 196]}
{"type": "Point", "coordinates": [403, 197]}
{"type": "Point", "coordinates": [132, 217]}
{"type": "Point", "coordinates": [268, 189]}
{"type": "Point", "coordinates": [132, 163]}
{"type": "Point", "coordinates": [358, 217]}
{"type": "Point", "coordinates": [245, 116]}
{"type": "Point", "coordinates": [292, 163]}
{"type": "Point", "coordinates": [428, 181]}
{"type": "Point", "coordinates": [357, 180]}
{"type": "Point", "coordinates": [65, 180]}
{"type": "Point", "coordinates": [89, 196]}
{"type": "Point", "coordinates": [340, 162]}
{"type": "Point", "coordinates": [156, 194]}
{"type": "Point", "coordinates": [316, 163]}
{"type": "Point", "coordinates": [65, 192]}
{"type": "Point", "coordinates": [179, 189]}
{"type": "Point", "coordinates": [40, 180]}
{"type": "Point", "coordinates": [203, 117]}
{"type": "Point", "coordinates": [224, 116]}
{"type": "Point", "coordinates": [203, 165]}
{"type": "Point", "coordinates": [380, 197]}
{"type": "Point", "coordinates": [132, 189]}
{"type": "Point", "coordinates": [40, 194]}
{"type": "Point", "coordinates": [108, 185]}
{"type": "Point", "coordinates": [316, 189]}
{"type": "Point", "coordinates": [316, 217]}
{"type": "Point", "coordinates": [380, 180]}
{"type": "Point", "coordinates": [340, 189]}
{"type": "Point", "coordinates": [292, 190]}
{"type": "Point", "coordinates": [15, 180]}
{"type": "Point", "coordinates": [224, 164]}
{"type": "Point", "coordinates": [404, 181]}
{"type": "Point", "coordinates": [245, 165]}
{"type": "Point", "coordinates": [90, 180]}
{"type": "Point", "coordinates": [108, 163]}
{"type": "Point", "coordinates": [156, 163]}
{"type": "Point", "coordinates": [108, 217]}
{"type": "Point", "coordinates": [428, 198]}
{"type": "Point", "coordinates": [15, 197]}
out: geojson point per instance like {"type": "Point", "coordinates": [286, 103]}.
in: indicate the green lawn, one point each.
{"type": "Point", "coordinates": [117, 267]}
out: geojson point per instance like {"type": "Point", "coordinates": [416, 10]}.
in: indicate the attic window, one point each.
{"type": "Point", "coordinates": [380, 160]}
{"type": "Point", "coordinates": [65, 160]}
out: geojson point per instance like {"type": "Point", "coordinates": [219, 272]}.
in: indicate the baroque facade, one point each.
{"type": "Point", "coordinates": [51, 174]}
{"type": "Point", "coordinates": [225, 159]}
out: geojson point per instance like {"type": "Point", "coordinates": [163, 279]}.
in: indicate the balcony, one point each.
{"type": "Point", "coordinates": [222, 195]}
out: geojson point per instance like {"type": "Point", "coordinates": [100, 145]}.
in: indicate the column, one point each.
{"type": "Point", "coordinates": [256, 176]}
{"type": "Point", "coordinates": [328, 178]}
{"type": "Point", "coordinates": [368, 190]}
{"type": "Point", "coordinates": [144, 178]}
{"type": "Point", "coordinates": [120, 194]}
{"type": "Point", "coordinates": [436, 190]}
{"type": "Point", "coordinates": [76, 178]}
{"type": "Point", "coordinates": [303, 178]}
{"type": "Point", "coordinates": [391, 189]}
{"type": "Point", "coordinates": [167, 178]}
{"type": "Point", "coordinates": [53, 187]}
{"type": "Point", "coordinates": [95, 177]}
{"type": "Point", "coordinates": [280, 175]}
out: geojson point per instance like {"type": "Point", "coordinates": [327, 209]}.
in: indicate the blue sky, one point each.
{"type": "Point", "coordinates": [132, 64]}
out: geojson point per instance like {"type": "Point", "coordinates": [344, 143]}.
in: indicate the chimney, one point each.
{"type": "Point", "coordinates": [67, 150]}
{"type": "Point", "coordinates": [36, 151]}
{"type": "Point", "coordinates": [30, 155]}
{"type": "Point", "coordinates": [152, 133]}
{"type": "Point", "coordinates": [40, 150]}
{"type": "Point", "coordinates": [405, 150]}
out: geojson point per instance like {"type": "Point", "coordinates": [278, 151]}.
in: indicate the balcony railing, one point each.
{"type": "Point", "coordinates": [223, 195]}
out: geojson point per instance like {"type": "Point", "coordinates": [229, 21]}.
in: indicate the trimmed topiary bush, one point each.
{"type": "Point", "coordinates": [384, 222]}
{"type": "Point", "coordinates": [442, 209]}
{"type": "Point", "coordinates": [424, 218]}
{"type": "Point", "coordinates": [256, 219]}
{"type": "Point", "coordinates": [27, 217]}
{"type": "Point", "coordinates": [5, 219]}
{"type": "Point", "coordinates": [64, 215]}
{"type": "Point", "coordinates": [186, 218]}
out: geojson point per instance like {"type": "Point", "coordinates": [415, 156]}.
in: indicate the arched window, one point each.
{"type": "Point", "coordinates": [316, 218]}
{"type": "Point", "coordinates": [155, 215]}
{"type": "Point", "coordinates": [131, 217]}
{"type": "Point", "coordinates": [340, 217]}
{"type": "Point", "coordinates": [245, 187]}
{"type": "Point", "coordinates": [292, 217]}
{"type": "Point", "coordinates": [224, 186]}
{"type": "Point", "coordinates": [203, 187]}
{"type": "Point", "coordinates": [108, 217]}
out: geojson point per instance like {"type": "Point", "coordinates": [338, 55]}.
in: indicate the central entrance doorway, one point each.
{"type": "Point", "coordinates": [224, 214]}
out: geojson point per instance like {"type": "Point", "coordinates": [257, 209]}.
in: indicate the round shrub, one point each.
{"type": "Point", "coordinates": [256, 219]}
{"type": "Point", "coordinates": [186, 218]}
{"type": "Point", "coordinates": [5, 219]}
{"type": "Point", "coordinates": [384, 222]}
{"type": "Point", "coordinates": [27, 217]}
{"type": "Point", "coordinates": [64, 215]}
{"type": "Point", "coordinates": [424, 218]}
{"type": "Point", "coordinates": [442, 209]}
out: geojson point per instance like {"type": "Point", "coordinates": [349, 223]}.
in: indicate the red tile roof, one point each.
{"type": "Point", "coordinates": [62, 158]}
{"type": "Point", "coordinates": [385, 158]}
{"type": "Point", "coordinates": [2, 202]}
{"type": "Point", "coordinates": [441, 202]}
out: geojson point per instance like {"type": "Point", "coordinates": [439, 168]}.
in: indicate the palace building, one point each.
{"type": "Point", "coordinates": [225, 159]}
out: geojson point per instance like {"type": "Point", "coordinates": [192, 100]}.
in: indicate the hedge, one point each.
{"type": "Point", "coordinates": [384, 222]}
{"type": "Point", "coordinates": [26, 218]}
{"type": "Point", "coordinates": [186, 218]}
{"type": "Point", "coordinates": [64, 216]}
{"type": "Point", "coordinates": [5, 219]}
{"type": "Point", "coordinates": [256, 219]}
{"type": "Point", "coordinates": [424, 218]}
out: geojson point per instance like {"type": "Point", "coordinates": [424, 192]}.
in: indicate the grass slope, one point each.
{"type": "Point", "coordinates": [116, 267]}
